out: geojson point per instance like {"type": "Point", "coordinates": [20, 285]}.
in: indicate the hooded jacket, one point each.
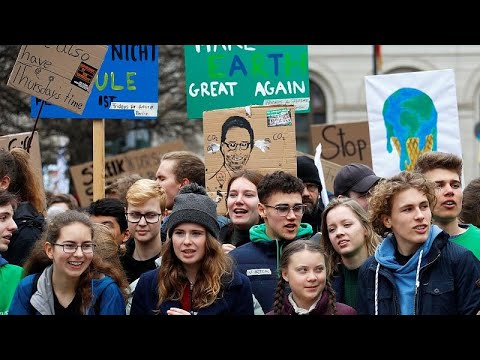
{"type": "Point", "coordinates": [41, 302]}
{"type": "Point", "coordinates": [443, 279]}
{"type": "Point", "coordinates": [10, 276]}
{"type": "Point", "coordinates": [260, 261]}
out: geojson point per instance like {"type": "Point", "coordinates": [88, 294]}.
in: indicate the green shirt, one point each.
{"type": "Point", "coordinates": [10, 276]}
{"type": "Point", "coordinates": [470, 239]}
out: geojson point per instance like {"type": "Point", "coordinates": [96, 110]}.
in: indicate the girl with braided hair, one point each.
{"type": "Point", "coordinates": [304, 267]}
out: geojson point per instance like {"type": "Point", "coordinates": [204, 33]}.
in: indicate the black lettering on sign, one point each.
{"type": "Point", "coordinates": [133, 52]}
{"type": "Point", "coordinates": [339, 144]}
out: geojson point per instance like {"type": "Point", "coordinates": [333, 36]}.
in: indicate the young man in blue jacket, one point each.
{"type": "Point", "coordinates": [415, 270]}
{"type": "Point", "coordinates": [281, 208]}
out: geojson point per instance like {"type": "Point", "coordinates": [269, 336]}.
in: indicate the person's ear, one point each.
{"type": "Point", "coordinates": [126, 235]}
{"type": "Point", "coordinates": [261, 210]}
{"type": "Point", "coordinates": [285, 275]}
{"type": "Point", "coordinates": [5, 182]}
{"type": "Point", "coordinates": [48, 247]}
{"type": "Point", "coordinates": [184, 182]}
{"type": "Point", "coordinates": [387, 221]}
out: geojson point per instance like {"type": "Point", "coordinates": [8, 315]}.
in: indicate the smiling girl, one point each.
{"type": "Point", "coordinates": [65, 276]}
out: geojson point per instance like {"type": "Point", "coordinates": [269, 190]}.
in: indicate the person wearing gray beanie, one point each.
{"type": "Point", "coordinates": [196, 277]}
{"type": "Point", "coordinates": [193, 205]}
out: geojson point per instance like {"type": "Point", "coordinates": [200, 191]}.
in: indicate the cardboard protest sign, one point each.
{"type": "Point", "coordinates": [409, 114]}
{"type": "Point", "coordinates": [227, 76]}
{"type": "Point", "coordinates": [20, 140]}
{"type": "Point", "coordinates": [343, 143]}
{"type": "Point", "coordinates": [126, 87]}
{"type": "Point", "coordinates": [144, 162]}
{"type": "Point", "coordinates": [261, 138]}
{"type": "Point", "coordinates": [59, 74]}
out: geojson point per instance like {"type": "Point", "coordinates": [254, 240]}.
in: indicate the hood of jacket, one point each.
{"type": "Point", "coordinates": [385, 253]}
{"type": "Point", "coordinates": [258, 232]}
{"type": "Point", "coordinates": [406, 276]}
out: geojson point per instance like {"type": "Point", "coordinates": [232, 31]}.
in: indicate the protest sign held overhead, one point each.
{"type": "Point", "coordinates": [343, 143]}
{"type": "Point", "coordinates": [59, 74]}
{"type": "Point", "coordinates": [226, 76]}
{"type": "Point", "coordinates": [409, 114]}
{"type": "Point", "coordinates": [126, 87]}
{"type": "Point", "coordinates": [260, 138]}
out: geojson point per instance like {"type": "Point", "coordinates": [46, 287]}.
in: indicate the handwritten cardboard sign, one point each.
{"type": "Point", "coordinates": [126, 87]}
{"type": "Point", "coordinates": [59, 74]}
{"type": "Point", "coordinates": [227, 76]}
{"type": "Point", "coordinates": [144, 162]}
{"type": "Point", "coordinates": [261, 138]}
{"type": "Point", "coordinates": [343, 143]}
{"type": "Point", "coordinates": [20, 140]}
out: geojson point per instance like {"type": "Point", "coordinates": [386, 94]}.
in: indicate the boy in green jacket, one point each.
{"type": "Point", "coordinates": [10, 275]}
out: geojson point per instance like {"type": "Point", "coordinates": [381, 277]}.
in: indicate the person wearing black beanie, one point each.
{"type": "Point", "coordinates": [307, 172]}
{"type": "Point", "coordinates": [195, 277]}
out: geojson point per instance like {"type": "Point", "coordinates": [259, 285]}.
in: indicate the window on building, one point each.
{"type": "Point", "coordinates": [317, 115]}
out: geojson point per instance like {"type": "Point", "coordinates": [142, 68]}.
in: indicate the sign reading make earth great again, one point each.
{"type": "Point", "coordinates": [226, 76]}
{"type": "Point", "coordinates": [126, 87]}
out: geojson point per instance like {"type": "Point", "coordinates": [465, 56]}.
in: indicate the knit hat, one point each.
{"type": "Point", "coordinates": [354, 177]}
{"type": "Point", "coordinates": [307, 171]}
{"type": "Point", "coordinates": [193, 205]}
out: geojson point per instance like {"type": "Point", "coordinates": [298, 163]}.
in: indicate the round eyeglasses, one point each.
{"type": "Point", "coordinates": [283, 210]}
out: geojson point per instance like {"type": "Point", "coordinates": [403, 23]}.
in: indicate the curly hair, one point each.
{"type": "Point", "coordinates": [381, 200]}
{"type": "Point", "coordinates": [372, 239]}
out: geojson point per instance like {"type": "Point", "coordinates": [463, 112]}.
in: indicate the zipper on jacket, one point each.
{"type": "Point", "coordinates": [416, 310]}
{"type": "Point", "coordinates": [191, 298]}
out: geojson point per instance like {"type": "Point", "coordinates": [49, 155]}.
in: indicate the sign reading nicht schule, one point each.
{"type": "Point", "coordinates": [126, 87]}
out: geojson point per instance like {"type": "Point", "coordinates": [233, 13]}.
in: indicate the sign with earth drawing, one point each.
{"type": "Point", "coordinates": [410, 114]}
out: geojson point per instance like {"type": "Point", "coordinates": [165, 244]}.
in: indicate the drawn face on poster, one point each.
{"type": "Point", "coordinates": [237, 142]}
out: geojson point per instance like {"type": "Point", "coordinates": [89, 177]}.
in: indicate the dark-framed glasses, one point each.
{"type": "Point", "coordinates": [283, 210]}
{"type": "Point", "coordinates": [150, 217]}
{"type": "Point", "coordinates": [233, 145]}
{"type": "Point", "coordinates": [70, 248]}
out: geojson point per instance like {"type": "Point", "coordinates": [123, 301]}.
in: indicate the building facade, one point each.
{"type": "Point", "coordinates": [337, 87]}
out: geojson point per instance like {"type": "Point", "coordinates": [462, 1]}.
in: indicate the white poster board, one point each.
{"type": "Point", "coordinates": [408, 114]}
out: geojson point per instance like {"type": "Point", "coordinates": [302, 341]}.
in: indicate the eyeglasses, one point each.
{"type": "Point", "coordinates": [87, 248]}
{"type": "Point", "coordinates": [283, 210]}
{"type": "Point", "coordinates": [150, 218]}
{"type": "Point", "coordinates": [232, 145]}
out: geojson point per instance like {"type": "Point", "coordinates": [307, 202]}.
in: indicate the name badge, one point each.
{"type": "Point", "coordinates": [252, 272]}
